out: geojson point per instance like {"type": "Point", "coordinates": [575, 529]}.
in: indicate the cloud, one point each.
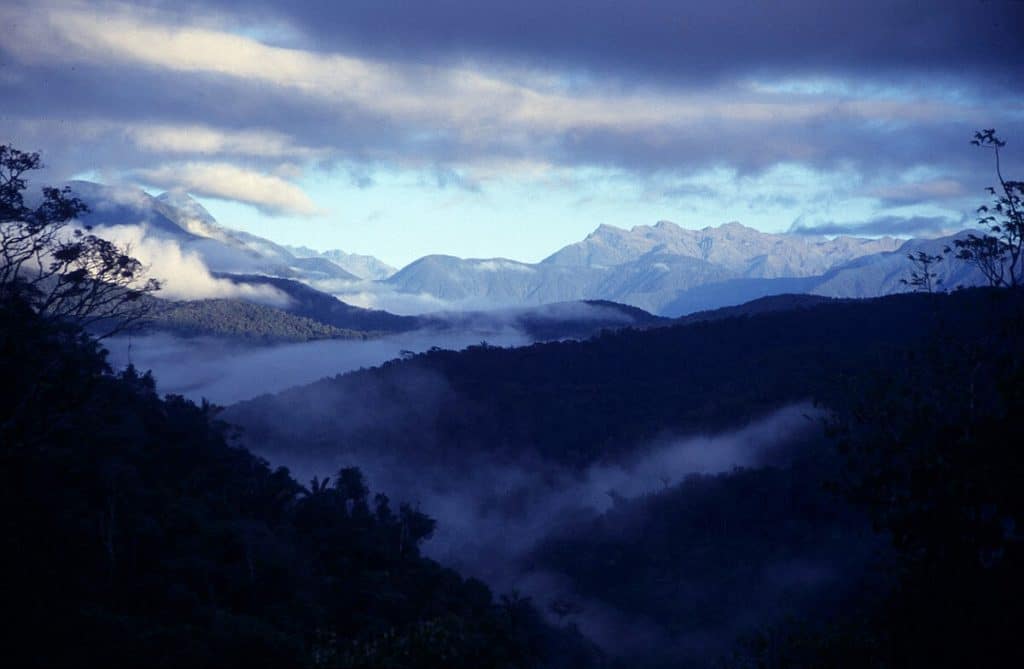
{"type": "Point", "coordinates": [270, 194]}
{"type": "Point", "coordinates": [183, 274]}
{"type": "Point", "coordinates": [921, 191]}
{"type": "Point", "coordinates": [516, 98]}
{"type": "Point", "coordinates": [200, 139]}
{"type": "Point", "coordinates": [474, 99]}
{"type": "Point", "coordinates": [463, 120]}
{"type": "Point", "coordinates": [666, 39]}
{"type": "Point", "coordinates": [225, 372]}
{"type": "Point", "coordinates": [382, 295]}
{"type": "Point", "coordinates": [899, 226]}
{"type": "Point", "coordinates": [492, 515]}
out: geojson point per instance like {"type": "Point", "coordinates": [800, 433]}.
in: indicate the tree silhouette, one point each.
{"type": "Point", "coordinates": [62, 270]}
{"type": "Point", "coordinates": [998, 253]}
{"type": "Point", "coordinates": [923, 278]}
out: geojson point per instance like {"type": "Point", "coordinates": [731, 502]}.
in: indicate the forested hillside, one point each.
{"type": "Point", "coordinates": [315, 305]}
{"type": "Point", "coordinates": [238, 320]}
{"type": "Point", "coordinates": [144, 538]}
{"type": "Point", "coordinates": [578, 402]}
{"type": "Point", "coordinates": [890, 540]}
{"type": "Point", "coordinates": [253, 323]}
{"type": "Point", "coordinates": [718, 557]}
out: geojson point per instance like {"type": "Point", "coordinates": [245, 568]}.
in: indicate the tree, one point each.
{"type": "Point", "coordinates": [998, 253]}
{"type": "Point", "coordinates": [61, 269]}
{"type": "Point", "coordinates": [931, 448]}
{"type": "Point", "coordinates": [923, 277]}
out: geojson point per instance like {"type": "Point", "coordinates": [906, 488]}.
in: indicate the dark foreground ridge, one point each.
{"type": "Point", "coordinates": [143, 538]}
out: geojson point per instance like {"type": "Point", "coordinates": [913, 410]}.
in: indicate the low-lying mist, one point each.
{"type": "Point", "coordinates": [224, 371]}
{"type": "Point", "coordinates": [502, 509]}
{"type": "Point", "coordinates": [489, 519]}
{"type": "Point", "coordinates": [492, 517]}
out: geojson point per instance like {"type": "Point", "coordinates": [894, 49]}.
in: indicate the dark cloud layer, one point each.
{"type": "Point", "coordinates": [883, 225]}
{"type": "Point", "coordinates": [445, 88]}
{"type": "Point", "coordinates": [682, 41]}
{"type": "Point", "coordinates": [132, 94]}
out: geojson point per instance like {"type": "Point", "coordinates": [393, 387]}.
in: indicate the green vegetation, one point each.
{"type": "Point", "coordinates": [313, 304]}
{"type": "Point", "coordinates": [246, 321]}
{"type": "Point", "coordinates": [930, 450]}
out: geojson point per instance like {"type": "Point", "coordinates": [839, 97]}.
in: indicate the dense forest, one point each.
{"type": "Point", "coordinates": [577, 402]}
{"type": "Point", "coordinates": [852, 548]}
{"type": "Point", "coordinates": [144, 538]}
{"type": "Point", "coordinates": [318, 306]}
{"type": "Point", "coordinates": [717, 557]}
{"type": "Point", "coordinates": [241, 321]}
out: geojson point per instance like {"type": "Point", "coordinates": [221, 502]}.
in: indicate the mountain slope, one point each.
{"type": "Point", "coordinates": [319, 306]}
{"type": "Point", "coordinates": [738, 249]}
{"type": "Point", "coordinates": [648, 266]}
{"type": "Point", "coordinates": [880, 274]}
{"type": "Point", "coordinates": [493, 282]}
{"type": "Point", "coordinates": [240, 321]}
{"type": "Point", "coordinates": [141, 535]}
{"type": "Point", "coordinates": [581, 402]}
{"type": "Point", "coordinates": [566, 457]}
{"type": "Point", "coordinates": [548, 322]}
{"type": "Point", "coordinates": [663, 269]}
{"type": "Point", "coordinates": [361, 266]}
{"type": "Point", "coordinates": [177, 218]}
{"type": "Point", "coordinates": [872, 275]}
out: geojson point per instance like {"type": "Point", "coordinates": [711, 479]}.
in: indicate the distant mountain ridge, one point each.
{"type": "Point", "coordinates": [362, 266]}
{"type": "Point", "coordinates": [670, 270]}
{"type": "Point", "coordinates": [664, 269]}
{"type": "Point", "coordinates": [732, 246]}
{"type": "Point", "coordinates": [873, 275]}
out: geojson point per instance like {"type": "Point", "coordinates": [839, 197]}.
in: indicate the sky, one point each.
{"type": "Point", "coordinates": [481, 129]}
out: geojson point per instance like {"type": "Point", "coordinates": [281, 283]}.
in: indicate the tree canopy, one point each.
{"type": "Point", "coordinates": [143, 537]}
{"type": "Point", "coordinates": [61, 269]}
{"type": "Point", "coordinates": [999, 252]}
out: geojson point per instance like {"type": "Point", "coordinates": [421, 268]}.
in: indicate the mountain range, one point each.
{"type": "Point", "coordinates": [362, 266]}
{"type": "Point", "coordinates": [672, 271]}
{"type": "Point", "coordinates": [664, 269]}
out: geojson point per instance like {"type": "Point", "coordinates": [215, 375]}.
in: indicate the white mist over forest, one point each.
{"type": "Point", "coordinates": [492, 517]}
{"type": "Point", "coordinates": [224, 371]}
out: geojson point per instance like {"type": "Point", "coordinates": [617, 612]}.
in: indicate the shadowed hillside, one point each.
{"type": "Point", "coordinates": [145, 538]}
{"type": "Point", "coordinates": [577, 402]}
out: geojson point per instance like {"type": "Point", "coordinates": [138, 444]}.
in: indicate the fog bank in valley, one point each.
{"type": "Point", "coordinates": [492, 517]}
{"type": "Point", "coordinates": [225, 372]}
